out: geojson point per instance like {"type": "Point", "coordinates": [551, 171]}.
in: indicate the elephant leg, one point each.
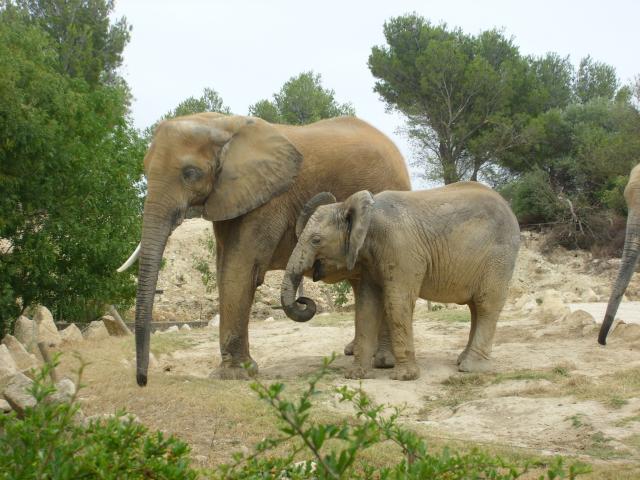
{"type": "Point", "coordinates": [474, 323]}
{"type": "Point", "coordinates": [398, 308]}
{"type": "Point", "coordinates": [384, 354]}
{"type": "Point", "coordinates": [368, 319]}
{"type": "Point", "coordinates": [240, 270]}
{"type": "Point", "coordinates": [478, 351]}
{"type": "Point", "coordinates": [349, 348]}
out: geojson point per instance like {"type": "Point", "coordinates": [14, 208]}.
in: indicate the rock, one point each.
{"type": "Point", "coordinates": [47, 330]}
{"type": "Point", "coordinates": [4, 406]}
{"type": "Point", "coordinates": [185, 328]}
{"type": "Point", "coordinates": [581, 321]}
{"type": "Point", "coordinates": [172, 329]}
{"type": "Point", "coordinates": [153, 363]}
{"type": "Point", "coordinates": [552, 307]}
{"type": "Point", "coordinates": [269, 319]}
{"type": "Point", "coordinates": [71, 334]}
{"type": "Point", "coordinates": [26, 332]}
{"type": "Point", "coordinates": [65, 390]}
{"type": "Point", "coordinates": [8, 366]}
{"type": "Point", "coordinates": [24, 360]}
{"type": "Point", "coordinates": [17, 394]}
{"type": "Point", "coordinates": [96, 331]}
{"type": "Point", "coordinates": [590, 296]}
{"type": "Point", "coordinates": [115, 327]}
{"type": "Point", "coordinates": [215, 321]}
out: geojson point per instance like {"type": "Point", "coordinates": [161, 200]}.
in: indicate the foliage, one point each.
{"type": "Point", "coordinates": [340, 292]}
{"type": "Point", "coordinates": [51, 441]}
{"type": "Point", "coordinates": [333, 450]}
{"type": "Point", "coordinates": [300, 101]}
{"type": "Point", "coordinates": [69, 163]}
{"type": "Point", "coordinates": [88, 45]}
{"type": "Point", "coordinates": [532, 199]}
{"type": "Point", "coordinates": [203, 264]}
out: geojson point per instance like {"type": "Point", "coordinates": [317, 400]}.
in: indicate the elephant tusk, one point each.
{"type": "Point", "coordinates": [131, 260]}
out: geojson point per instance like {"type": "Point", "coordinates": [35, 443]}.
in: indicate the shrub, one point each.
{"type": "Point", "coordinates": [50, 442]}
{"type": "Point", "coordinates": [332, 450]}
{"type": "Point", "coordinates": [340, 293]}
{"type": "Point", "coordinates": [532, 199]}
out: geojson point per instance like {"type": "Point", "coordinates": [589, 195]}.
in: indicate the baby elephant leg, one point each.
{"type": "Point", "coordinates": [368, 317]}
{"type": "Point", "coordinates": [399, 313]}
{"type": "Point", "coordinates": [384, 354]}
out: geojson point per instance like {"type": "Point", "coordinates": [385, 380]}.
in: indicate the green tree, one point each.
{"type": "Point", "coordinates": [456, 90]}
{"type": "Point", "coordinates": [89, 46]}
{"type": "Point", "coordinates": [69, 163]}
{"type": "Point", "coordinates": [300, 101]}
{"type": "Point", "coordinates": [595, 80]}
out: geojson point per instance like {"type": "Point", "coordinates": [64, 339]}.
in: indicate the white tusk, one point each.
{"type": "Point", "coordinates": [131, 260]}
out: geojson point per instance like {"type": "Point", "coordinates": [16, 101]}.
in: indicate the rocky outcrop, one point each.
{"type": "Point", "coordinates": [71, 334]}
{"type": "Point", "coordinates": [17, 393]}
{"type": "Point", "coordinates": [96, 331]}
{"type": "Point", "coordinates": [24, 360]}
{"type": "Point", "coordinates": [26, 331]}
{"type": "Point", "coordinates": [47, 330]}
{"type": "Point", "coordinates": [115, 326]}
{"type": "Point", "coordinates": [8, 367]}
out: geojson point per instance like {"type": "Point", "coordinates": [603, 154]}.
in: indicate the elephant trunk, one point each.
{"type": "Point", "coordinates": [297, 265]}
{"type": "Point", "coordinates": [156, 229]}
{"type": "Point", "coordinates": [627, 267]}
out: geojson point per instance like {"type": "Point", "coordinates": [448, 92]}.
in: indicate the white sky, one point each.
{"type": "Point", "coordinates": [247, 49]}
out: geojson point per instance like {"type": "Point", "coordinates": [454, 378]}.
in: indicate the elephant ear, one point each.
{"type": "Point", "coordinates": [357, 214]}
{"type": "Point", "coordinates": [322, 198]}
{"type": "Point", "coordinates": [256, 164]}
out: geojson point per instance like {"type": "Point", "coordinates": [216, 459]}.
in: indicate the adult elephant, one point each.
{"type": "Point", "coordinates": [629, 253]}
{"type": "Point", "coordinates": [252, 179]}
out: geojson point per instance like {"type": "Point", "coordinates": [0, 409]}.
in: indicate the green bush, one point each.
{"type": "Point", "coordinates": [332, 451]}
{"type": "Point", "coordinates": [340, 293]}
{"type": "Point", "coordinates": [51, 442]}
{"type": "Point", "coordinates": [532, 199]}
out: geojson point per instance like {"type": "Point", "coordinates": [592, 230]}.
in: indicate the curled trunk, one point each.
{"type": "Point", "coordinates": [627, 267]}
{"type": "Point", "coordinates": [301, 309]}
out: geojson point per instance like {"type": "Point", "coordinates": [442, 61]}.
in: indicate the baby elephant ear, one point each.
{"type": "Point", "coordinates": [357, 214]}
{"type": "Point", "coordinates": [322, 198]}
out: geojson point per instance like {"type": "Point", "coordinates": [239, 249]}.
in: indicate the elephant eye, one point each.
{"type": "Point", "coordinates": [192, 174]}
{"type": "Point", "coordinates": [315, 240]}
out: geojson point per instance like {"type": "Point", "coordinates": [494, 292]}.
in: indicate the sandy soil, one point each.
{"type": "Point", "coordinates": [553, 389]}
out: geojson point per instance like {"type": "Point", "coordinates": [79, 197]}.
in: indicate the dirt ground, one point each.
{"type": "Point", "coordinates": [553, 389]}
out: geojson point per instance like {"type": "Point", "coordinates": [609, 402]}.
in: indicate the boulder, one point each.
{"type": "Point", "coordinates": [24, 360]}
{"type": "Point", "coordinates": [4, 406]}
{"type": "Point", "coordinates": [17, 393]}
{"type": "Point", "coordinates": [185, 328]}
{"type": "Point", "coordinates": [71, 334]}
{"type": "Point", "coordinates": [65, 390]}
{"type": "Point", "coordinates": [115, 326]}
{"type": "Point", "coordinates": [552, 307]}
{"type": "Point", "coordinates": [96, 331]}
{"type": "Point", "coordinates": [215, 321]}
{"type": "Point", "coordinates": [172, 329]}
{"type": "Point", "coordinates": [26, 331]}
{"type": "Point", "coordinates": [47, 330]}
{"type": "Point", "coordinates": [8, 367]}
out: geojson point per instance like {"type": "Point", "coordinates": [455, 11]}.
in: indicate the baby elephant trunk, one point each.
{"type": "Point", "coordinates": [301, 309]}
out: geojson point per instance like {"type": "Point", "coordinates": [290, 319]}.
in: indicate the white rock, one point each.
{"type": "Point", "coordinates": [215, 321]}
{"type": "Point", "coordinates": [65, 390]}
{"type": "Point", "coordinates": [116, 327]}
{"type": "Point", "coordinates": [172, 329]}
{"type": "Point", "coordinates": [552, 307]}
{"type": "Point", "coordinates": [185, 328]}
{"type": "Point", "coordinates": [96, 331]}
{"type": "Point", "coordinates": [269, 319]}
{"type": "Point", "coordinates": [71, 334]}
{"type": "Point", "coordinates": [26, 331]}
{"type": "Point", "coordinates": [17, 394]}
{"type": "Point", "coordinates": [8, 367]}
{"type": "Point", "coordinates": [4, 406]}
{"type": "Point", "coordinates": [24, 360]}
{"type": "Point", "coordinates": [47, 330]}
{"type": "Point", "coordinates": [153, 363]}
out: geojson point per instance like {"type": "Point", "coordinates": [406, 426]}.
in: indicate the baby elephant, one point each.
{"type": "Point", "coordinates": [454, 244]}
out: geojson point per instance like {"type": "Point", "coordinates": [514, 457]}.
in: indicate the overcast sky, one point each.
{"type": "Point", "coordinates": [246, 50]}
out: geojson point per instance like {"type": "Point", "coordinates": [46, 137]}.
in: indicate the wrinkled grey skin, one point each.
{"type": "Point", "coordinates": [629, 254]}
{"type": "Point", "coordinates": [455, 244]}
{"type": "Point", "coordinates": [252, 179]}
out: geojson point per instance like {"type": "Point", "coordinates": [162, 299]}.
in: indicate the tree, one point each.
{"type": "Point", "coordinates": [456, 90]}
{"type": "Point", "coordinates": [89, 46]}
{"type": "Point", "coordinates": [69, 163]}
{"type": "Point", "coordinates": [301, 100]}
{"type": "Point", "coordinates": [595, 80]}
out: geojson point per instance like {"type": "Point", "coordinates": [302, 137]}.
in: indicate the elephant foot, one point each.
{"type": "Point", "coordinates": [462, 356]}
{"type": "Point", "coordinates": [384, 359]}
{"type": "Point", "coordinates": [405, 372]}
{"type": "Point", "coordinates": [348, 348]}
{"type": "Point", "coordinates": [235, 371]}
{"type": "Point", "coordinates": [358, 372]}
{"type": "Point", "coordinates": [474, 363]}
